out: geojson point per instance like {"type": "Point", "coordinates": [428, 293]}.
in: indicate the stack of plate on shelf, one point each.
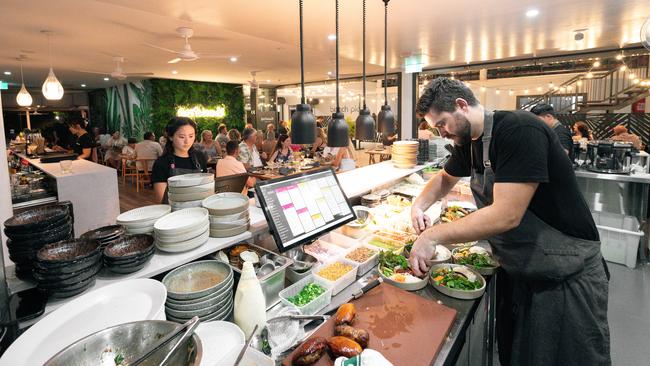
{"type": "Point", "coordinates": [405, 153]}
{"type": "Point", "coordinates": [30, 230]}
{"type": "Point", "coordinates": [141, 220]}
{"type": "Point", "coordinates": [67, 268]}
{"type": "Point", "coordinates": [129, 253]}
{"type": "Point", "coordinates": [203, 288]}
{"type": "Point", "coordinates": [228, 214]}
{"type": "Point", "coordinates": [188, 190]}
{"type": "Point", "coordinates": [182, 230]}
{"type": "Point", "coordinates": [105, 234]}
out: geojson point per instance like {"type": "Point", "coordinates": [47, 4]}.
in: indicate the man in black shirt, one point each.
{"type": "Point", "coordinates": [85, 143]}
{"type": "Point", "coordinates": [546, 113]}
{"type": "Point", "coordinates": [553, 305]}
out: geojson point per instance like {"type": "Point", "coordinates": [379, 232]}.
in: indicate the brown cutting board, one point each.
{"type": "Point", "coordinates": [406, 328]}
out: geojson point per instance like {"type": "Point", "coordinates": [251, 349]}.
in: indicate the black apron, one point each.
{"type": "Point", "coordinates": [552, 298]}
{"type": "Point", "coordinates": [174, 171]}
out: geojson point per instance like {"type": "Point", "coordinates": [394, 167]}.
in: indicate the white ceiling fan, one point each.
{"type": "Point", "coordinates": [119, 73]}
{"type": "Point", "coordinates": [187, 54]}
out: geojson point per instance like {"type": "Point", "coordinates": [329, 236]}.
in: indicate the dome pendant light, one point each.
{"type": "Point", "coordinates": [52, 88]}
{"type": "Point", "coordinates": [386, 118]}
{"type": "Point", "coordinates": [365, 124]}
{"type": "Point", "coordinates": [303, 123]}
{"type": "Point", "coordinates": [337, 130]}
{"type": "Point", "coordinates": [23, 98]}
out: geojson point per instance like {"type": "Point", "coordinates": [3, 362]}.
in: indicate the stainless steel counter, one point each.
{"type": "Point", "coordinates": [632, 178]}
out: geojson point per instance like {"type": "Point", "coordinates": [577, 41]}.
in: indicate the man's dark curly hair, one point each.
{"type": "Point", "coordinates": [441, 94]}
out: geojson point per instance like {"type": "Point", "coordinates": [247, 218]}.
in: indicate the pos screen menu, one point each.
{"type": "Point", "coordinates": [301, 207]}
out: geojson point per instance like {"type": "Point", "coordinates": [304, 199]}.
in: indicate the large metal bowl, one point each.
{"type": "Point", "coordinates": [129, 340]}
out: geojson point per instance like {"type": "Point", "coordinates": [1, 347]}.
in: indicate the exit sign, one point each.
{"type": "Point", "coordinates": [3, 85]}
{"type": "Point", "coordinates": [413, 64]}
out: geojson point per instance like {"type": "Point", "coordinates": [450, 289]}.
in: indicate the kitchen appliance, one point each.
{"type": "Point", "coordinates": [609, 157]}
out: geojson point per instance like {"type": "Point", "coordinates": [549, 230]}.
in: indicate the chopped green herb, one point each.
{"type": "Point", "coordinates": [119, 359]}
{"type": "Point", "coordinates": [307, 294]}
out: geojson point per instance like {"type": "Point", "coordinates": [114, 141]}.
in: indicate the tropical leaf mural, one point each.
{"type": "Point", "coordinates": [128, 108]}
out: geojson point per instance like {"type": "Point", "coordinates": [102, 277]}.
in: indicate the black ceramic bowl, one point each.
{"type": "Point", "coordinates": [44, 235]}
{"type": "Point", "coordinates": [123, 269]}
{"type": "Point", "coordinates": [35, 219]}
{"type": "Point", "coordinates": [129, 247]}
{"type": "Point", "coordinates": [105, 233]}
{"type": "Point", "coordinates": [55, 281]}
{"type": "Point", "coordinates": [67, 251]}
{"type": "Point", "coordinates": [70, 290]}
{"type": "Point", "coordinates": [68, 267]}
{"type": "Point", "coordinates": [130, 259]}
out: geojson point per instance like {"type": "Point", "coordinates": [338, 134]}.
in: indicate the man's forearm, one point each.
{"type": "Point", "coordinates": [437, 187]}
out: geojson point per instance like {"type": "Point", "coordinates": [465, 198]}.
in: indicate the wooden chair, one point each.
{"type": "Point", "coordinates": [143, 176]}
{"type": "Point", "coordinates": [128, 171]}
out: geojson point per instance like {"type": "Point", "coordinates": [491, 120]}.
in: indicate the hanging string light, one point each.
{"type": "Point", "coordinates": [303, 123]}
{"type": "Point", "coordinates": [365, 124]}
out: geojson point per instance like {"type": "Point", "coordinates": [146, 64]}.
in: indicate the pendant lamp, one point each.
{"type": "Point", "coordinates": [303, 123]}
{"type": "Point", "coordinates": [52, 88]}
{"type": "Point", "coordinates": [337, 130]}
{"type": "Point", "coordinates": [365, 124]}
{"type": "Point", "coordinates": [386, 118]}
{"type": "Point", "coordinates": [24, 99]}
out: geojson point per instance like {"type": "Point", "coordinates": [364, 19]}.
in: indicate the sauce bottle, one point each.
{"type": "Point", "coordinates": [250, 305]}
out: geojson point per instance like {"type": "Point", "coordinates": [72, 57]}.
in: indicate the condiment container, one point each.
{"type": "Point", "coordinates": [250, 306]}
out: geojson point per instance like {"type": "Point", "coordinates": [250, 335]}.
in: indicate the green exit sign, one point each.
{"type": "Point", "coordinates": [3, 85]}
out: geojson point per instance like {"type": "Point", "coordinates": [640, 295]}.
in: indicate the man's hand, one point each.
{"type": "Point", "coordinates": [419, 220]}
{"type": "Point", "coordinates": [422, 252]}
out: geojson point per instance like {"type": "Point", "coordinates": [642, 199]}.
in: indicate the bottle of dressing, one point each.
{"type": "Point", "coordinates": [250, 305]}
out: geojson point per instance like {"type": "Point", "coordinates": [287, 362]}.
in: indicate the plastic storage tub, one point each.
{"type": "Point", "coordinates": [323, 250]}
{"type": "Point", "coordinates": [337, 238]}
{"type": "Point", "coordinates": [343, 281]}
{"type": "Point", "coordinates": [369, 264]}
{"type": "Point", "coordinates": [315, 305]}
{"type": "Point", "coordinates": [619, 237]}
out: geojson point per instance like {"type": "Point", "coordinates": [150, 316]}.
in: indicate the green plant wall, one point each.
{"type": "Point", "coordinates": [128, 108]}
{"type": "Point", "coordinates": [167, 95]}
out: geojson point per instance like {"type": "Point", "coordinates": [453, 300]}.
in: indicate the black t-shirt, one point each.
{"type": "Point", "coordinates": [162, 166]}
{"type": "Point", "coordinates": [564, 135]}
{"type": "Point", "coordinates": [84, 141]}
{"type": "Point", "coordinates": [523, 150]}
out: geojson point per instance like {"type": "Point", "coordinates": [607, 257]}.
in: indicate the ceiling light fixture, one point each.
{"type": "Point", "coordinates": [174, 72]}
{"type": "Point", "coordinates": [579, 83]}
{"type": "Point", "coordinates": [619, 57]}
{"type": "Point", "coordinates": [233, 59]}
{"type": "Point", "coordinates": [7, 72]}
{"type": "Point", "coordinates": [337, 131]}
{"type": "Point", "coordinates": [331, 37]}
{"type": "Point", "coordinates": [303, 122]}
{"type": "Point", "coordinates": [83, 85]}
{"type": "Point", "coordinates": [632, 76]}
{"type": "Point", "coordinates": [590, 75]}
{"type": "Point", "coordinates": [482, 89]}
{"type": "Point", "coordinates": [386, 118]}
{"type": "Point", "coordinates": [597, 64]}
{"type": "Point", "coordinates": [532, 13]}
{"type": "Point", "coordinates": [623, 68]}
{"type": "Point", "coordinates": [511, 92]}
{"type": "Point", "coordinates": [365, 124]}
{"type": "Point", "coordinates": [23, 98]}
{"type": "Point", "coordinates": [635, 81]}
{"type": "Point", "coordinates": [52, 88]}
{"type": "Point", "coordinates": [106, 79]}
{"type": "Point", "coordinates": [497, 92]}
{"type": "Point", "coordinates": [329, 73]}
{"type": "Point", "coordinates": [539, 88]}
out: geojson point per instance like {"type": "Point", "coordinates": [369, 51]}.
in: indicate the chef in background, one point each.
{"type": "Point", "coordinates": [552, 309]}
{"type": "Point", "coordinates": [546, 113]}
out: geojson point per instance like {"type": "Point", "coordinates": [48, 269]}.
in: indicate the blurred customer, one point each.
{"type": "Point", "coordinates": [284, 129]}
{"type": "Point", "coordinates": [163, 139]}
{"type": "Point", "coordinates": [269, 143]}
{"type": "Point", "coordinates": [282, 151]}
{"type": "Point", "coordinates": [424, 132]}
{"type": "Point", "coordinates": [222, 137]}
{"type": "Point", "coordinates": [319, 143]}
{"type": "Point", "coordinates": [229, 165]}
{"type": "Point", "coordinates": [85, 145]}
{"type": "Point", "coordinates": [209, 147]}
{"type": "Point", "coordinates": [271, 128]}
{"type": "Point", "coordinates": [546, 113]}
{"type": "Point", "coordinates": [148, 149]}
{"type": "Point", "coordinates": [582, 134]}
{"type": "Point", "coordinates": [621, 134]}
{"type": "Point", "coordinates": [129, 150]}
{"type": "Point", "coordinates": [248, 153]}
{"type": "Point", "coordinates": [259, 140]}
{"type": "Point", "coordinates": [113, 149]}
{"type": "Point", "coordinates": [342, 157]}
{"type": "Point", "coordinates": [234, 135]}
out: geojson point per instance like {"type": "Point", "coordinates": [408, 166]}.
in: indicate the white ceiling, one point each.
{"type": "Point", "coordinates": [265, 35]}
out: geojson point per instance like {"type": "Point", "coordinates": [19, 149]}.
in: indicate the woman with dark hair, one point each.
{"type": "Point", "coordinates": [582, 134]}
{"type": "Point", "coordinates": [282, 151]}
{"type": "Point", "coordinates": [179, 156]}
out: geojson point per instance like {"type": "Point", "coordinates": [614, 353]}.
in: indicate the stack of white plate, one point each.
{"type": "Point", "coordinates": [188, 190]}
{"type": "Point", "coordinates": [141, 220]}
{"type": "Point", "coordinates": [182, 230]}
{"type": "Point", "coordinates": [405, 153]}
{"type": "Point", "coordinates": [203, 289]}
{"type": "Point", "coordinates": [228, 214]}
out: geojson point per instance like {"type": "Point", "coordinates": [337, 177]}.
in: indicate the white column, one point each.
{"type": "Point", "coordinates": [6, 210]}
{"type": "Point", "coordinates": [407, 106]}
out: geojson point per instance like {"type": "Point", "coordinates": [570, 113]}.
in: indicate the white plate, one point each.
{"type": "Point", "coordinates": [122, 302]}
{"type": "Point", "coordinates": [186, 245]}
{"type": "Point", "coordinates": [228, 218]}
{"type": "Point", "coordinates": [190, 197]}
{"type": "Point", "coordinates": [194, 228]}
{"type": "Point", "coordinates": [185, 236]}
{"type": "Point", "coordinates": [188, 180]}
{"type": "Point", "coordinates": [229, 225]}
{"type": "Point", "coordinates": [254, 357]}
{"type": "Point", "coordinates": [226, 335]}
{"type": "Point", "coordinates": [145, 213]}
{"type": "Point", "coordinates": [176, 206]}
{"type": "Point", "coordinates": [181, 219]}
{"type": "Point", "coordinates": [143, 230]}
{"type": "Point", "coordinates": [138, 224]}
{"type": "Point", "coordinates": [193, 189]}
{"type": "Point", "coordinates": [225, 233]}
{"type": "Point", "coordinates": [227, 203]}
{"type": "Point", "coordinates": [405, 143]}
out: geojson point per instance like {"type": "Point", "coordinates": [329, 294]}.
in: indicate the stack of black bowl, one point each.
{"type": "Point", "coordinates": [129, 253]}
{"type": "Point", "coordinates": [30, 230]}
{"type": "Point", "coordinates": [105, 234]}
{"type": "Point", "coordinates": [67, 268]}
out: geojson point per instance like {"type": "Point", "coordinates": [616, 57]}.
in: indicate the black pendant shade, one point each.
{"type": "Point", "coordinates": [386, 120]}
{"type": "Point", "coordinates": [303, 123]}
{"type": "Point", "coordinates": [337, 131]}
{"type": "Point", "coordinates": [364, 126]}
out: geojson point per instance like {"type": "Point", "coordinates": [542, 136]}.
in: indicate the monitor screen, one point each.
{"type": "Point", "coordinates": [299, 208]}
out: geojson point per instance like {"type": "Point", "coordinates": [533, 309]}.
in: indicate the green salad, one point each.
{"type": "Point", "coordinates": [389, 261]}
{"type": "Point", "coordinates": [448, 278]}
{"type": "Point", "coordinates": [307, 294]}
{"type": "Point", "coordinates": [477, 260]}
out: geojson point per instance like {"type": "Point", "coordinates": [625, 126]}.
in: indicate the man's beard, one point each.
{"type": "Point", "coordinates": [464, 134]}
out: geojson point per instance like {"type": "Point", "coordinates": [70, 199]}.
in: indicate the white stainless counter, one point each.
{"type": "Point", "coordinates": [632, 178]}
